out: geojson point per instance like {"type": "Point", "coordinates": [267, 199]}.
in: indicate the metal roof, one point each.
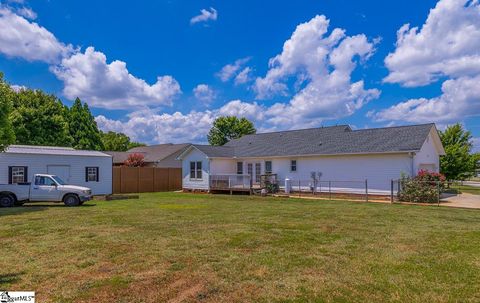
{"type": "Point", "coordinates": [52, 150]}
{"type": "Point", "coordinates": [334, 140]}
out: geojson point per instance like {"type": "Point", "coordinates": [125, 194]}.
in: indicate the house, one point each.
{"type": "Point", "coordinates": [91, 169]}
{"type": "Point", "coordinates": [161, 155]}
{"type": "Point", "coordinates": [336, 153]}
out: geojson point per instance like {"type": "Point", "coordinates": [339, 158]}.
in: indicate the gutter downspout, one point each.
{"type": "Point", "coordinates": [412, 155]}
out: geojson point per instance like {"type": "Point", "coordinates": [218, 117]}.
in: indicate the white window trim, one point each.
{"type": "Point", "coordinates": [196, 171]}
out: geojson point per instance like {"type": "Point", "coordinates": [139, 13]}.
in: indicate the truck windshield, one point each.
{"type": "Point", "coordinates": [58, 180]}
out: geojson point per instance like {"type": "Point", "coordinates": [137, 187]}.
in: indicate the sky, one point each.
{"type": "Point", "coordinates": [162, 71]}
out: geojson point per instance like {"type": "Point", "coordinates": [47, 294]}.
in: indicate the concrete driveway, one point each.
{"type": "Point", "coordinates": [464, 200]}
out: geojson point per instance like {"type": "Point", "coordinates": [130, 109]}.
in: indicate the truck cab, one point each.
{"type": "Point", "coordinates": [44, 187]}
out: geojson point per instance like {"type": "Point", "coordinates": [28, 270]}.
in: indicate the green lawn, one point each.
{"type": "Point", "coordinates": [205, 248]}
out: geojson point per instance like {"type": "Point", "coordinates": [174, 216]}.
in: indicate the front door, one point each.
{"type": "Point", "coordinates": [255, 171]}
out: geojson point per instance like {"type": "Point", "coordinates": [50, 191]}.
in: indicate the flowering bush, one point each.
{"type": "Point", "coordinates": [135, 160]}
{"type": "Point", "coordinates": [425, 187]}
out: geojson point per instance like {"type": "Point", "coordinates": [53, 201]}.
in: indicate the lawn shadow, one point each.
{"type": "Point", "coordinates": [7, 279]}
{"type": "Point", "coordinates": [28, 208]}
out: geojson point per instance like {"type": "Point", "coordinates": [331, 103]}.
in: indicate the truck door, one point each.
{"type": "Point", "coordinates": [44, 189]}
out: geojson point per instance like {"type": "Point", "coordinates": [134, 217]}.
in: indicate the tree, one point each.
{"type": "Point", "coordinates": [113, 141]}
{"type": "Point", "coordinates": [135, 160]}
{"type": "Point", "coordinates": [39, 119]}
{"type": "Point", "coordinates": [7, 135]}
{"type": "Point", "coordinates": [227, 128]}
{"type": "Point", "coordinates": [458, 163]}
{"type": "Point", "coordinates": [83, 128]}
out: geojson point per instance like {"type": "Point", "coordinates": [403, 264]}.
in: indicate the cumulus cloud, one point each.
{"type": "Point", "coordinates": [204, 93]}
{"type": "Point", "coordinates": [205, 15]}
{"type": "Point", "coordinates": [447, 45]}
{"type": "Point", "coordinates": [110, 85]}
{"type": "Point", "coordinates": [27, 13]}
{"type": "Point", "coordinates": [152, 127]}
{"type": "Point", "coordinates": [476, 145]}
{"type": "Point", "coordinates": [231, 71]}
{"type": "Point", "coordinates": [21, 38]}
{"type": "Point", "coordinates": [322, 63]}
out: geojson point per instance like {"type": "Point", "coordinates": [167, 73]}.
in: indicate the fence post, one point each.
{"type": "Point", "coordinates": [438, 193]}
{"type": "Point", "coordinates": [299, 189]}
{"type": "Point", "coordinates": [391, 191]}
{"type": "Point", "coordinates": [366, 188]}
{"type": "Point", "coordinates": [330, 190]}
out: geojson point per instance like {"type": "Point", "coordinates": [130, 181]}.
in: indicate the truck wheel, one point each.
{"type": "Point", "coordinates": [71, 200]}
{"type": "Point", "coordinates": [7, 201]}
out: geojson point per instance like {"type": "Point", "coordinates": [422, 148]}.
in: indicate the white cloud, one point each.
{"type": "Point", "coordinates": [18, 88]}
{"type": "Point", "coordinates": [230, 71]}
{"type": "Point", "coordinates": [244, 76]}
{"type": "Point", "coordinates": [460, 99]}
{"type": "Point", "coordinates": [323, 65]}
{"type": "Point", "coordinates": [204, 93]}
{"type": "Point", "coordinates": [110, 85]}
{"type": "Point", "coordinates": [27, 13]}
{"type": "Point", "coordinates": [476, 145]}
{"type": "Point", "coordinates": [446, 45]}
{"type": "Point", "coordinates": [151, 127]}
{"type": "Point", "coordinates": [205, 15]}
{"type": "Point", "coordinates": [24, 39]}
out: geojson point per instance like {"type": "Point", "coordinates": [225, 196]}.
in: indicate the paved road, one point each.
{"type": "Point", "coordinates": [471, 183]}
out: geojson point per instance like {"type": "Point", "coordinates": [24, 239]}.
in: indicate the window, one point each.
{"type": "Point", "coordinates": [44, 181]}
{"type": "Point", "coordinates": [17, 174]}
{"type": "Point", "coordinates": [268, 167]}
{"type": "Point", "coordinates": [258, 172]}
{"type": "Point", "coordinates": [91, 174]}
{"type": "Point", "coordinates": [293, 165]}
{"type": "Point", "coordinates": [239, 168]}
{"type": "Point", "coordinates": [196, 170]}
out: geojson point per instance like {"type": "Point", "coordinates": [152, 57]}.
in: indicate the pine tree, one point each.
{"type": "Point", "coordinates": [83, 128]}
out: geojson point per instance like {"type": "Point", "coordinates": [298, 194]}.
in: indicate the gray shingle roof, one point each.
{"type": "Point", "coordinates": [153, 153]}
{"type": "Point", "coordinates": [216, 151]}
{"type": "Point", "coordinates": [329, 141]}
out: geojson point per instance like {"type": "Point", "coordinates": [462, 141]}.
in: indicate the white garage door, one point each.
{"type": "Point", "coordinates": [63, 171]}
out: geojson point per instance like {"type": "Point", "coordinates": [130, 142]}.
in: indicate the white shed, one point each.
{"type": "Point", "coordinates": [87, 168]}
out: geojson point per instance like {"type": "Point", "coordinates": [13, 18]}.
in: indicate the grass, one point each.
{"type": "Point", "coordinates": [466, 189]}
{"type": "Point", "coordinates": [169, 247]}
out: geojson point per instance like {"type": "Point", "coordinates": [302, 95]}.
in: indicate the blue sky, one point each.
{"type": "Point", "coordinates": [218, 63]}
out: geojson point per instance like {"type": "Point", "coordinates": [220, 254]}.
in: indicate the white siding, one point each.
{"type": "Point", "coordinates": [223, 166]}
{"type": "Point", "coordinates": [427, 157]}
{"type": "Point", "coordinates": [38, 164]}
{"type": "Point", "coordinates": [187, 183]}
{"type": "Point", "coordinates": [378, 169]}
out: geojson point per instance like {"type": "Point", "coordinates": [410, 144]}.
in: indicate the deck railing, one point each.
{"type": "Point", "coordinates": [230, 181]}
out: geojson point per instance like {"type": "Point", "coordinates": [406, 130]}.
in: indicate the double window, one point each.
{"type": "Point", "coordinates": [196, 170]}
{"type": "Point", "coordinates": [91, 174]}
{"type": "Point", "coordinates": [17, 174]}
{"type": "Point", "coordinates": [293, 165]}
{"type": "Point", "coordinates": [239, 168]}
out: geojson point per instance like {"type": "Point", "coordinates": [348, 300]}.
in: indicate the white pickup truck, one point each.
{"type": "Point", "coordinates": [43, 188]}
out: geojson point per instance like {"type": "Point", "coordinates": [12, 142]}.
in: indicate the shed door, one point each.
{"type": "Point", "coordinates": [63, 171]}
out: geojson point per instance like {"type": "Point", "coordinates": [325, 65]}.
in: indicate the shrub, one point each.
{"type": "Point", "coordinates": [425, 187]}
{"type": "Point", "coordinates": [135, 160]}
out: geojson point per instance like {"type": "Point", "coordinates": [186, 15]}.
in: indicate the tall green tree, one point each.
{"type": "Point", "coordinates": [83, 128]}
{"type": "Point", "coordinates": [458, 163]}
{"type": "Point", "coordinates": [227, 128]}
{"type": "Point", "coordinates": [7, 135]}
{"type": "Point", "coordinates": [113, 141]}
{"type": "Point", "coordinates": [40, 119]}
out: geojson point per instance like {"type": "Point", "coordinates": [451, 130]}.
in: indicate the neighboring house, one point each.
{"type": "Point", "coordinates": [162, 155]}
{"type": "Point", "coordinates": [92, 169]}
{"type": "Point", "coordinates": [338, 153]}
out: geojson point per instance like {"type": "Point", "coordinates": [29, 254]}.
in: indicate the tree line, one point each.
{"type": "Point", "coordinates": [33, 117]}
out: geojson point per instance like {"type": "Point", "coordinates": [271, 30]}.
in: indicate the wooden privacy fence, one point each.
{"type": "Point", "coordinates": [146, 179]}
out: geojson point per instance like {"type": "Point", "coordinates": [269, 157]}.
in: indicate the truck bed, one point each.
{"type": "Point", "coordinates": [21, 191]}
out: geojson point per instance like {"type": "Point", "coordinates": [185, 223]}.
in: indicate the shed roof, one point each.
{"type": "Point", "coordinates": [53, 150]}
